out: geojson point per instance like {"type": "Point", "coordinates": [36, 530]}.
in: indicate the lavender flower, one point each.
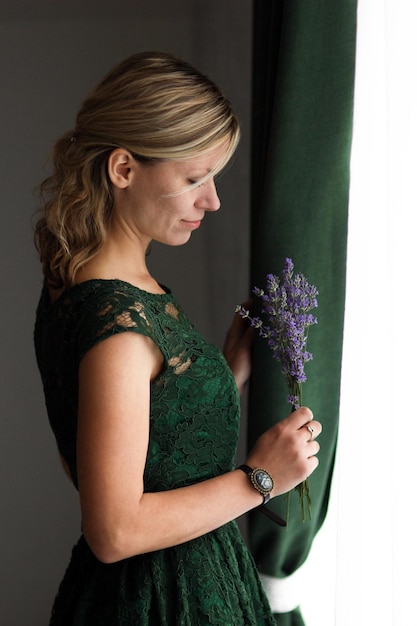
{"type": "Point", "coordinates": [285, 305]}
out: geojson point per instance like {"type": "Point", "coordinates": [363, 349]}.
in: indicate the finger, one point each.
{"type": "Point", "coordinates": [317, 428]}
{"type": "Point", "coordinates": [301, 417]}
{"type": "Point", "coordinates": [238, 327]}
{"type": "Point", "coordinates": [314, 464]}
{"type": "Point", "coordinates": [314, 448]}
{"type": "Point", "coordinates": [308, 431]}
{"type": "Point", "coordinates": [248, 335]}
{"type": "Point", "coordinates": [311, 430]}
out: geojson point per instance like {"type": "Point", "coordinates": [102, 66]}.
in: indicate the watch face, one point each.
{"type": "Point", "coordinates": [263, 480]}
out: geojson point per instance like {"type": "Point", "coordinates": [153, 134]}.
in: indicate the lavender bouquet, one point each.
{"type": "Point", "coordinates": [286, 304]}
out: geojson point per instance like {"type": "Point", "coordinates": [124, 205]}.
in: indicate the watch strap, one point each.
{"type": "Point", "coordinates": [273, 516]}
{"type": "Point", "coordinates": [266, 496]}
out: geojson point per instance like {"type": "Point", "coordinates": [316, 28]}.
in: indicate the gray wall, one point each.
{"type": "Point", "coordinates": [52, 52]}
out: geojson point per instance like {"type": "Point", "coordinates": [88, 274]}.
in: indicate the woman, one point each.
{"type": "Point", "coordinates": [144, 411]}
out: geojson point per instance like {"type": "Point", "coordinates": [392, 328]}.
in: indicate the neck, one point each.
{"type": "Point", "coordinates": [122, 258]}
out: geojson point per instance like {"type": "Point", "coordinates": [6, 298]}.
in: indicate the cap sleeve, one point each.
{"type": "Point", "coordinates": [105, 314]}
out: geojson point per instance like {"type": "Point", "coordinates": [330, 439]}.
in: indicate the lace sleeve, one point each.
{"type": "Point", "coordinates": [107, 314]}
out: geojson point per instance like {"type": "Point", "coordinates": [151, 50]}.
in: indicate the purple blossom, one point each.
{"type": "Point", "coordinates": [285, 306]}
{"type": "Point", "coordinates": [294, 400]}
{"type": "Point", "coordinates": [286, 303]}
{"type": "Point", "coordinates": [256, 322]}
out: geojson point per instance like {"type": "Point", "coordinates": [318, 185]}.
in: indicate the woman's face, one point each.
{"type": "Point", "coordinates": [158, 206]}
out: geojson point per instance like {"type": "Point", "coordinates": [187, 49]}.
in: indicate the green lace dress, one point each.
{"type": "Point", "coordinates": [193, 435]}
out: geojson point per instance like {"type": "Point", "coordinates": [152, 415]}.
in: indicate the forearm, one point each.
{"type": "Point", "coordinates": [237, 351]}
{"type": "Point", "coordinates": [164, 519]}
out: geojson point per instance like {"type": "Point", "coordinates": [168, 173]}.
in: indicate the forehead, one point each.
{"type": "Point", "coordinates": [206, 162]}
{"type": "Point", "coordinates": [200, 167]}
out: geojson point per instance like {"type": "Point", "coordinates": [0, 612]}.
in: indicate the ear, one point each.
{"type": "Point", "coordinates": [119, 167]}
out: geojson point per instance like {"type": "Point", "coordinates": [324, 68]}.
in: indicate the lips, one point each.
{"type": "Point", "coordinates": [192, 223]}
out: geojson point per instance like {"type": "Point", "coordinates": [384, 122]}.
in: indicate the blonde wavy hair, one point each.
{"type": "Point", "coordinates": [154, 105]}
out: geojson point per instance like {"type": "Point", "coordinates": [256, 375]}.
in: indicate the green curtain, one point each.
{"type": "Point", "coordinates": [303, 80]}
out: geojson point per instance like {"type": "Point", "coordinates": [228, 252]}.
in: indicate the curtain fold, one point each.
{"type": "Point", "coordinates": [303, 79]}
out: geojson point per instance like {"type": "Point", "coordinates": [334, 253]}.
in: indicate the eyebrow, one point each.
{"type": "Point", "coordinates": [197, 172]}
{"type": "Point", "coordinates": [207, 170]}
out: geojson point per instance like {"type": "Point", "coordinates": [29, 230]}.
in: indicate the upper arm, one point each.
{"type": "Point", "coordinates": [113, 426]}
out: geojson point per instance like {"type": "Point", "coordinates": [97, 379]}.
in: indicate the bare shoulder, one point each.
{"type": "Point", "coordinates": [120, 353]}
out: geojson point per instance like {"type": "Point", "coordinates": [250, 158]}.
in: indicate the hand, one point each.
{"type": "Point", "coordinates": [287, 450]}
{"type": "Point", "coordinates": [237, 348]}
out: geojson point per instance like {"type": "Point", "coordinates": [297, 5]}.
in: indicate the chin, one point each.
{"type": "Point", "coordinates": [176, 242]}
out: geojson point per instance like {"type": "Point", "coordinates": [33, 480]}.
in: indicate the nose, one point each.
{"type": "Point", "coordinates": [208, 198]}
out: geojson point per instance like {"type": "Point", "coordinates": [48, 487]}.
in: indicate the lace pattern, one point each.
{"type": "Point", "coordinates": [194, 416]}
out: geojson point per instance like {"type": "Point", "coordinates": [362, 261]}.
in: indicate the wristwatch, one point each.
{"type": "Point", "coordinates": [260, 479]}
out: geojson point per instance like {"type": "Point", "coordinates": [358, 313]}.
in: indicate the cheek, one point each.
{"type": "Point", "coordinates": [171, 208]}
